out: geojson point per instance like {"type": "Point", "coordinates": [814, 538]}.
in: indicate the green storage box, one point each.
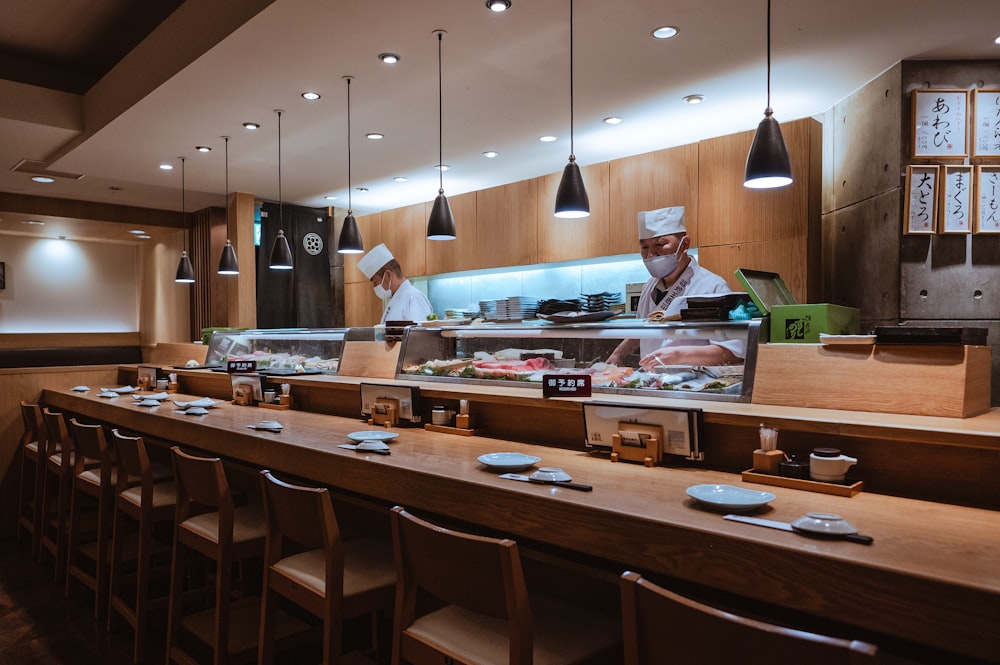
{"type": "Point", "coordinates": [790, 321]}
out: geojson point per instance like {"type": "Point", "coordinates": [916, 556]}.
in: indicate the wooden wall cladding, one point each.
{"type": "Point", "coordinates": [371, 235]}
{"type": "Point", "coordinates": [403, 232]}
{"type": "Point", "coordinates": [568, 239]}
{"type": "Point", "coordinates": [462, 252]}
{"type": "Point", "coordinates": [783, 256]}
{"type": "Point", "coordinates": [361, 307]}
{"type": "Point", "coordinates": [650, 181]}
{"type": "Point", "coordinates": [506, 223]}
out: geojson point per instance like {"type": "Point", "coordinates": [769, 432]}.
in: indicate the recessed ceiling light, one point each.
{"type": "Point", "coordinates": [400, 178]}
{"type": "Point", "coordinates": [996, 40]}
{"type": "Point", "coordinates": [490, 154]}
{"type": "Point", "coordinates": [44, 179]}
{"type": "Point", "coordinates": [443, 167]}
{"type": "Point", "coordinates": [613, 120]}
{"type": "Point", "coordinates": [330, 198]}
{"type": "Point", "coordinates": [136, 232]}
{"type": "Point", "coordinates": [311, 96]}
{"type": "Point", "coordinates": [361, 189]}
{"type": "Point", "coordinates": [498, 5]}
{"type": "Point", "coordinates": [546, 139]}
{"type": "Point", "coordinates": [33, 222]}
{"type": "Point", "coordinates": [389, 58]}
{"type": "Point", "coordinates": [251, 125]}
{"type": "Point", "coordinates": [167, 167]}
{"type": "Point", "coordinates": [694, 99]}
{"type": "Point", "coordinates": [375, 136]}
{"type": "Point", "coordinates": [202, 148]}
{"type": "Point", "coordinates": [665, 32]}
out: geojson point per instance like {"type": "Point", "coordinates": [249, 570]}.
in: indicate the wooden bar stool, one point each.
{"type": "Point", "coordinates": [307, 562]}
{"type": "Point", "coordinates": [660, 626]}
{"type": "Point", "coordinates": [141, 499]}
{"type": "Point", "coordinates": [29, 498]}
{"type": "Point", "coordinates": [93, 485]}
{"type": "Point", "coordinates": [487, 615]}
{"type": "Point", "coordinates": [56, 489]}
{"type": "Point", "coordinates": [206, 522]}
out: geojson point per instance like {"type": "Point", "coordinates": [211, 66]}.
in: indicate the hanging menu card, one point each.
{"type": "Point", "coordinates": [986, 124]}
{"type": "Point", "coordinates": [940, 123]}
{"type": "Point", "coordinates": [988, 199]}
{"type": "Point", "coordinates": [956, 199]}
{"type": "Point", "coordinates": [921, 199]}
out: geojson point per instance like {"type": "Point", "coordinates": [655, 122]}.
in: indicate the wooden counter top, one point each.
{"type": "Point", "coordinates": [932, 575]}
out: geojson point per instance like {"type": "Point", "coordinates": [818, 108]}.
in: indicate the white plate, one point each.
{"type": "Point", "coordinates": [846, 339]}
{"type": "Point", "coordinates": [508, 461]}
{"type": "Point", "coordinates": [80, 389]}
{"type": "Point", "coordinates": [107, 394]}
{"type": "Point", "coordinates": [148, 402]}
{"type": "Point", "coordinates": [267, 428]}
{"type": "Point", "coordinates": [124, 390]}
{"type": "Point", "coordinates": [156, 396]}
{"type": "Point", "coordinates": [372, 435]}
{"type": "Point", "coordinates": [205, 403]}
{"type": "Point", "coordinates": [195, 411]}
{"type": "Point", "coordinates": [730, 498]}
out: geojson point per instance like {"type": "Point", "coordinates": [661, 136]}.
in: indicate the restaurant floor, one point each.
{"type": "Point", "coordinates": [40, 626]}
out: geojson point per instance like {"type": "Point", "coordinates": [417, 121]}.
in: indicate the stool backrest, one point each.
{"type": "Point", "coordinates": [90, 444]}
{"type": "Point", "coordinates": [477, 573]}
{"type": "Point", "coordinates": [133, 462]}
{"type": "Point", "coordinates": [201, 487]}
{"type": "Point", "coordinates": [57, 435]}
{"type": "Point", "coordinates": [302, 515]}
{"type": "Point", "coordinates": [659, 626]}
{"type": "Point", "coordinates": [31, 416]}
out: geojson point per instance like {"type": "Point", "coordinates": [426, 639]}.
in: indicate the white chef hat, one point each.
{"type": "Point", "coordinates": [653, 223]}
{"type": "Point", "coordinates": [373, 261]}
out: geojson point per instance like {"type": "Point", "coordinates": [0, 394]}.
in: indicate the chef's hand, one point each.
{"type": "Point", "coordinates": [671, 356]}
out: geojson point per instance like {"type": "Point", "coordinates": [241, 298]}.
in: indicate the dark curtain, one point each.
{"type": "Point", "coordinates": [301, 297]}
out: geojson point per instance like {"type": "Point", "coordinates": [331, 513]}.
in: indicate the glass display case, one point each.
{"type": "Point", "coordinates": [280, 351]}
{"type": "Point", "coordinates": [521, 354]}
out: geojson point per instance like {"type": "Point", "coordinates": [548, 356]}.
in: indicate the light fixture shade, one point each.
{"type": "Point", "coordinates": [350, 237]}
{"type": "Point", "coordinates": [768, 164]}
{"type": "Point", "coordinates": [185, 271]}
{"type": "Point", "coordinates": [441, 224]}
{"type": "Point", "coordinates": [571, 197]}
{"type": "Point", "coordinates": [281, 253]}
{"type": "Point", "coordinates": [227, 262]}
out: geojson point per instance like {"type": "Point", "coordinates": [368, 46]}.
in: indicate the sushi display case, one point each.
{"type": "Point", "coordinates": [521, 354]}
{"type": "Point", "coordinates": [279, 351]}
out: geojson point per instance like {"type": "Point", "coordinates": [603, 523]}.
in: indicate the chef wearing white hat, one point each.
{"type": "Point", "coordinates": [674, 275]}
{"type": "Point", "coordinates": [405, 301]}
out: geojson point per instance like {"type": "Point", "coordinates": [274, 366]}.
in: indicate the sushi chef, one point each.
{"type": "Point", "coordinates": [674, 275]}
{"type": "Point", "coordinates": [405, 301]}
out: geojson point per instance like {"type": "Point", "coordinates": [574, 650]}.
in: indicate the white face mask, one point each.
{"type": "Point", "coordinates": [381, 292]}
{"type": "Point", "coordinates": [661, 266]}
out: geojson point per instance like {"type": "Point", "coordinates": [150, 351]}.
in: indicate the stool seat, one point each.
{"type": "Point", "coordinates": [164, 495]}
{"type": "Point", "coordinates": [369, 561]}
{"type": "Point", "coordinates": [248, 525]}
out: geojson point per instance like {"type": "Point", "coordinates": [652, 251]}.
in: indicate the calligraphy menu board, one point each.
{"type": "Point", "coordinates": [940, 123]}
{"type": "Point", "coordinates": [986, 123]}
{"type": "Point", "coordinates": [956, 199]}
{"type": "Point", "coordinates": [988, 199]}
{"type": "Point", "coordinates": [920, 214]}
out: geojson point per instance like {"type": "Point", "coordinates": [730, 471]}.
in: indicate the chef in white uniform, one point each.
{"type": "Point", "coordinates": [405, 301]}
{"type": "Point", "coordinates": [674, 275]}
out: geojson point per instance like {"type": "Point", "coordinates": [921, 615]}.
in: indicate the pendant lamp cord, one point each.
{"type": "Point", "coordinates": [226, 139]}
{"type": "Point", "coordinates": [183, 203]}
{"type": "Point", "coordinates": [281, 212]}
{"type": "Point", "coordinates": [769, 55]}
{"type": "Point", "coordinates": [350, 208]}
{"type": "Point", "coordinates": [571, 150]}
{"type": "Point", "coordinates": [440, 121]}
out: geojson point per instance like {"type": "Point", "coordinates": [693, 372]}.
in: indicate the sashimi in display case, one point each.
{"type": "Point", "coordinates": [521, 354]}
{"type": "Point", "coordinates": [279, 351]}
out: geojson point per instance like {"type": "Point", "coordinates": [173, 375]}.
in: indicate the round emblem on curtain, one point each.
{"type": "Point", "coordinates": [312, 243]}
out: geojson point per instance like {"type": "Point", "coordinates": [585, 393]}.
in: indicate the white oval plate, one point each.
{"type": "Point", "coordinates": [80, 389]}
{"type": "Point", "coordinates": [195, 411]}
{"type": "Point", "coordinates": [156, 396]}
{"type": "Point", "coordinates": [508, 461]}
{"type": "Point", "coordinates": [204, 402]}
{"type": "Point", "coordinates": [730, 498]}
{"type": "Point", "coordinates": [372, 435]}
{"type": "Point", "coordinates": [148, 402]}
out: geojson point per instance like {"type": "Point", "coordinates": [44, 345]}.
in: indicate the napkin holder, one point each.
{"type": "Point", "coordinates": [385, 412]}
{"type": "Point", "coordinates": [635, 442]}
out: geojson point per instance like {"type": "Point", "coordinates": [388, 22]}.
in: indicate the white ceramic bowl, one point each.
{"type": "Point", "coordinates": [373, 445]}
{"type": "Point", "coordinates": [551, 474]}
{"type": "Point", "coordinates": [827, 524]}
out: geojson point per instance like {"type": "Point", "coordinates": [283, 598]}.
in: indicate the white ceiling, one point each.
{"type": "Point", "coordinates": [214, 64]}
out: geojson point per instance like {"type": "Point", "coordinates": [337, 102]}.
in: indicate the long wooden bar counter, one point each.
{"type": "Point", "coordinates": [932, 576]}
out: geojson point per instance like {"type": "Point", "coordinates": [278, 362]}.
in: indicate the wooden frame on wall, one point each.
{"type": "Point", "coordinates": [921, 205]}
{"type": "Point", "coordinates": [940, 123]}
{"type": "Point", "coordinates": [987, 199]}
{"type": "Point", "coordinates": [986, 123]}
{"type": "Point", "coordinates": [956, 202]}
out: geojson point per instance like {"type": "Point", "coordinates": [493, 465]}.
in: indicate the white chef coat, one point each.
{"type": "Point", "coordinates": [408, 303]}
{"type": "Point", "coordinates": [694, 281]}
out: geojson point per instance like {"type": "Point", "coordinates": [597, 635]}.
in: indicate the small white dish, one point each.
{"type": "Point", "coordinates": [727, 497]}
{"type": "Point", "coordinates": [107, 393]}
{"type": "Point", "coordinates": [204, 402]}
{"type": "Point", "coordinates": [372, 435]}
{"type": "Point", "coordinates": [825, 524]}
{"type": "Point", "coordinates": [148, 402]}
{"type": "Point", "coordinates": [195, 411]}
{"type": "Point", "coordinates": [124, 390]}
{"type": "Point", "coordinates": [80, 389]}
{"type": "Point", "coordinates": [551, 474]}
{"type": "Point", "coordinates": [508, 461]}
{"type": "Point", "coordinates": [156, 396]}
{"type": "Point", "coordinates": [372, 445]}
{"type": "Point", "coordinates": [868, 340]}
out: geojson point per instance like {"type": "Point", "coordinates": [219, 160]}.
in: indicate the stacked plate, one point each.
{"type": "Point", "coordinates": [556, 306]}
{"type": "Point", "coordinates": [515, 308]}
{"type": "Point", "coordinates": [600, 302]}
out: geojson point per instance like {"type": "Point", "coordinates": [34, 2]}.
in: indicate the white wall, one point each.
{"type": "Point", "coordinates": [68, 286]}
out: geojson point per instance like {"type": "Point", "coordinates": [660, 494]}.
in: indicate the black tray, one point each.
{"type": "Point", "coordinates": [930, 335]}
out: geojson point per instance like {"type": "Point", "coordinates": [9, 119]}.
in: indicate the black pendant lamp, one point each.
{"type": "Point", "coordinates": [281, 253]}
{"type": "Point", "coordinates": [441, 223]}
{"type": "Point", "coordinates": [571, 197]}
{"type": "Point", "coordinates": [768, 165]}
{"type": "Point", "coordinates": [227, 262]}
{"type": "Point", "coordinates": [350, 235]}
{"type": "Point", "coordinates": [185, 271]}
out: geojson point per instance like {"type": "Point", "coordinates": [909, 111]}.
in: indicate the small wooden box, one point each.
{"type": "Point", "coordinates": [649, 454]}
